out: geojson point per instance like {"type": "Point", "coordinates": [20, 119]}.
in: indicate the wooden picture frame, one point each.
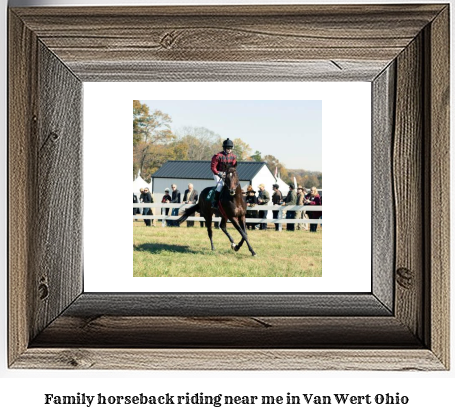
{"type": "Point", "coordinates": [403, 324]}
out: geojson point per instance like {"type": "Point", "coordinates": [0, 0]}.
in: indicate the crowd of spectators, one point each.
{"type": "Point", "coordinates": [262, 198]}
{"type": "Point", "coordinates": [190, 196]}
{"type": "Point", "coordinates": [301, 197]}
{"type": "Point", "coordinates": [294, 197]}
{"type": "Point", "coordinates": [311, 198]}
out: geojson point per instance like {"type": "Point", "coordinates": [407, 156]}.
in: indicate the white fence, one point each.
{"type": "Point", "coordinates": [280, 220]}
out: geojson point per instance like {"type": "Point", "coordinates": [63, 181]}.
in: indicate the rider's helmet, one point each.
{"type": "Point", "coordinates": [227, 144]}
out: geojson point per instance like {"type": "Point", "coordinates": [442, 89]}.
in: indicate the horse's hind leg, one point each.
{"type": "Point", "coordinates": [208, 221]}
{"type": "Point", "coordinates": [223, 228]}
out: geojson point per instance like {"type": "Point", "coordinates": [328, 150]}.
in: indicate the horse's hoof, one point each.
{"type": "Point", "coordinates": [236, 249]}
{"type": "Point", "coordinates": [254, 254]}
{"type": "Point", "coordinates": [233, 246]}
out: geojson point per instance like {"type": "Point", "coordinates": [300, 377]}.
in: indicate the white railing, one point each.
{"type": "Point", "coordinates": [280, 220]}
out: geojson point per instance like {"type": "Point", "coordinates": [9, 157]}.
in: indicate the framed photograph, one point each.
{"type": "Point", "coordinates": [291, 124]}
{"type": "Point", "coordinates": [400, 323]}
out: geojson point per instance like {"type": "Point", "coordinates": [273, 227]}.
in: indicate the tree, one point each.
{"type": "Point", "coordinates": [241, 149]}
{"type": "Point", "coordinates": [256, 156]}
{"type": "Point", "coordinates": [140, 116]}
{"type": "Point", "coordinates": [201, 142]}
{"type": "Point", "coordinates": [273, 163]}
{"type": "Point", "coordinates": [178, 150]}
{"type": "Point", "coordinates": [150, 130]}
{"type": "Point", "coordinates": [192, 145]}
{"type": "Point", "coordinates": [310, 182]}
{"type": "Point", "coordinates": [307, 178]}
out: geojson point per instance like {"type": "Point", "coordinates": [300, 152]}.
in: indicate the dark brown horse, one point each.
{"type": "Point", "coordinates": [231, 206]}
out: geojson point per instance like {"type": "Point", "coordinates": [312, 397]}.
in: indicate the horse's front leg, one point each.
{"type": "Point", "coordinates": [208, 221]}
{"type": "Point", "coordinates": [242, 223]}
{"type": "Point", "coordinates": [242, 231]}
{"type": "Point", "coordinates": [223, 228]}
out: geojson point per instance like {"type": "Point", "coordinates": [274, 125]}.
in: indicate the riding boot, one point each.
{"type": "Point", "coordinates": [215, 200]}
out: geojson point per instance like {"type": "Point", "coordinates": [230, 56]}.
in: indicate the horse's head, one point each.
{"type": "Point", "coordinates": [231, 180]}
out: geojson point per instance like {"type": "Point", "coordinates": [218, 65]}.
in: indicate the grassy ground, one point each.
{"type": "Point", "coordinates": [177, 252]}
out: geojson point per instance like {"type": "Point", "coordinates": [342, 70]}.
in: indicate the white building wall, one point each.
{"type": "Point", "coordinates": [159, 184]}
{"type": "Point", "coordinates": [264, 176]}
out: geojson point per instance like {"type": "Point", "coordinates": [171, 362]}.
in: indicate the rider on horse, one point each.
{"type": "Point", "coordinates": [219, 164]}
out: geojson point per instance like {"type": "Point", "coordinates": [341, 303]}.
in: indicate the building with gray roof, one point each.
{"type": "Point", "coordinates": [198, 172]}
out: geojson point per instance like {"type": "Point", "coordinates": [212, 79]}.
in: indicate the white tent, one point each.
{"type": "Point", "coordinates": [140, 183]}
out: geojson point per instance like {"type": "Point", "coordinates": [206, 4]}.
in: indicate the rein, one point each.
{"type": "Point", "coordinates": [222, 210]}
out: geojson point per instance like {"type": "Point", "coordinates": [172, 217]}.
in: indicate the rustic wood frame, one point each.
{"type": "Point", "coordinates": [403, 324]}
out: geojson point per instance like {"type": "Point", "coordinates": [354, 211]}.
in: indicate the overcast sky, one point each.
{"type": "Point", "coordinates": [289, 130]}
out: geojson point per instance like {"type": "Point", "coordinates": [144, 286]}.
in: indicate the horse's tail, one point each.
{"type": "Point", "coordinates": [189, 212]}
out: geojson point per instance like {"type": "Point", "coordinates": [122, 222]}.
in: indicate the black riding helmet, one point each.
{"type": "Point", "coordinates": [227, 143]}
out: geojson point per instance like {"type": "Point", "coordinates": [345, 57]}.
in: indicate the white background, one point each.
{"type": "Point", "coordinates": [346, 127]}
{"type": "Point", "coordinates": [23, 391]}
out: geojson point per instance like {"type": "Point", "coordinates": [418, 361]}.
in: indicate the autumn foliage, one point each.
{"type": "Point", "coordinates": [154, 142]}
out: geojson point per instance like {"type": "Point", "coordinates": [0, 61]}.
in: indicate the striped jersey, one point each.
{"type": "Point", "coordinates": [221, 160]}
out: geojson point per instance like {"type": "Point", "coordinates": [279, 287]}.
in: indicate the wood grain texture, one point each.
{"type": "Point", "coordinates": [53, 49]}
{"type": "Point", "coordinates": [437, 157]}
{"type": "Point", "coordinates": [321, 34]}
{"type": "Point", "coordinates": [58, 208]}
{"type": "Point", "coordinates": [408, 188]}
{"type": "Point", "coordinates": [22, 94]}
{"type": "Point", "coordinates": [383, 215]}
{"type": "Point", "coordinates": [90, 305]}
{"type": "Point", "coordinates": [311, 70]}
{"type": "Point", "coordinates": [256, 332]}
{"type": "Point", "coordinates": [235, 359]}
{"type": "Point", "coordinates": [45, 160]}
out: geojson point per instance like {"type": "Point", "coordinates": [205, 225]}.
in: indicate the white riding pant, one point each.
{"type": "Point", "coordinates": [218, 182]}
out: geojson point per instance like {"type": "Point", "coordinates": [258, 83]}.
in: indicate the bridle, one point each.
{"type": "Point", "coordinates": [231, 191]}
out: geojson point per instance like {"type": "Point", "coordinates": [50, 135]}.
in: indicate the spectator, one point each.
{"type": "Point", "coordinates": [250, 189]}
{"type": "Point", "coordinates": [190, 197]}
{"type": "Point", "coordinates": [175, 198]}
{"type": "Point", "coordinates": [314, 199]}
{"type": "Point", "coordinates": [301, 214]}
{"type": "Point", "coordinates": [146, 198]}
{"type": "Point", "coordinates": [166, 199]}
{"type": "Point", "coordinates": [251, 201]}
{"type": "Point", "coordinates": [277, 198]}
{"type": "Point", "coordinates": [135, 210]}
{"type": "Point", "coordinates": [290, 200]}
{"type": "Point", "coordinates": [140, 198]}
{"type": "Point", "coordinates": [263, 199]}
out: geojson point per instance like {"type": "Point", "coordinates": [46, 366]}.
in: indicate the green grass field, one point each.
{"type": "Point", "coordinates": [185, 252]}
